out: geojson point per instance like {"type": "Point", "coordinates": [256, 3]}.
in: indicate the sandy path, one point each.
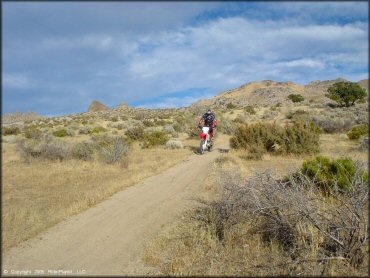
{"type": "Point", "coordinates": [109, 238]}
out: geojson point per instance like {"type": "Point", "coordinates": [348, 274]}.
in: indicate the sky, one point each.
{"type": "Point", "coordinates": [60, 56]}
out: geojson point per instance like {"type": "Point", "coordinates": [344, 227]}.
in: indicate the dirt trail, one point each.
{"type": "Point", "coordinates": [109, 238]}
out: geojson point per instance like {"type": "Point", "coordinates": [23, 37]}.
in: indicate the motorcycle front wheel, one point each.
{"type": "Point", "coordinates": [201, 149]}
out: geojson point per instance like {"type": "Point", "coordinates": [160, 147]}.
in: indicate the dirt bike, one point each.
{"type": "Point", "coordinates": [205, 141]}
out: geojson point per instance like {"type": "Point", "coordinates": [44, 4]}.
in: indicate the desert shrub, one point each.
{"type": "Point", "coordinates": [193, 131]}
{"type": "Point", "coordinates": [119, 126]}
{"type": "Point", "coordinates": [161, 122]}
{"type": "Point", "coordinates": [230, 106]}
{"type": "Point", "coordinates": [254, 153]}
{"type": "Point", "coordinates": [98, 129]}
{"type": "Point", "coordinates": [333, 124]}
{"type": "Point", "coordinates": [155, 138]}
{"type": "Point", "coordinates": [115, 152]}
{"type": "Point", "coordinates": [85, 130]}
{"type": "Point", "coordinates": [83, 150]}
{"type": "Point", "coordinates": [32, 132]}
{"type": "Point", "coordinates": [250, 109]}
{"type": "Point", "coordinates": [358, 131]}
{"type": "Point", "coordinates": [269, 114]}
{"type": "Point", "coordinates": [298, 138]}
{"type": "Point", "coordinates": [327, 173]}
{"type": "Point", "coordinates": [179, 127]}
{"type": "Point", "coordinates": [60, 133]}
{"type": "Point", "coordinates": [296, 97]}
{"type": "Point", "coordinates": [226, 126]}
{"type": "Point", "coordinates": [114, 119]}
{"type": "Point", "coordinates": [346, 93]}
{"type": "Point", "coordinates": [297, 115]}
{"type": "Point", "coordinates": [51, 149]}
{"type": "Point", "coordinates": [55, 150]}
{"type": "Point", "coordinates": [364, 145]}
{"type": "Point", "coordinates": [169, 129]}
{"type": "Point", "coordinates": [174, 144]}
{"type": "Point", "coordinates": [148, 123]}
{"type": "Point", "coordinates": [240, 119]}
{"type": "Point", "coordinates": [292, 214]}
{"type": "Point", "coordinates": [135, 133]}
{"type": "Point", "coordinates": [10, 130]}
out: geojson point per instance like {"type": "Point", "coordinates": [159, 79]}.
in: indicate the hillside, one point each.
{"type": "Point", "coordinates": [133, 171]}
{"type": "Point", "coordinates": [267, 93]}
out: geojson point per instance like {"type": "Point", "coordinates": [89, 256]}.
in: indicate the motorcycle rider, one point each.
{"type": "Point", "coordinates": [209, 120]}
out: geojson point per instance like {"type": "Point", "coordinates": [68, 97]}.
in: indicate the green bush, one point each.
{"type": "Point", "coordinates": [231, 106]}
{"type": "Point", "coordinates": [10, 130]}
{"type": "Point", "coordinates": [298, 138]}
{"type": "Point", "coordinates": [358, 131]}
{"type": "Point", "coordinates": [325, 172]}
{"type": "Point", "coordinates": [250, 109]}
{"type": "Point", "coordinates": [33, 133]}
{"type": "Point", "coordinates": [135, 133]}
{"type": "Point", "coordinates": [296, 97]}
{"type": "Point", "coordinates": [193, 131]}
{"type": "Point", "coordinates": [98, 129]}
{"type": "Point", "coordinates": [346, 93]}
{"type": "Point", "coordinates": [148, 123]}
{"type": "Point", "coordinates": [155, 138]}
{"type": "Point", "coordinates": [60, 133]}
{"type": "Point", "coordinates": [114, 119]}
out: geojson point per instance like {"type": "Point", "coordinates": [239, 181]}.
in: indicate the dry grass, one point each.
{"type": "Point", "coordinates": [40, 194]}
{"type": "Point", "coordinates": [191, 247]}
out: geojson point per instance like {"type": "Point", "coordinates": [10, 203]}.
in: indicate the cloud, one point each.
{"type": "Point", "coordinates": [16, 81]}
{"type": "Point", "coordinates": [139, 52]}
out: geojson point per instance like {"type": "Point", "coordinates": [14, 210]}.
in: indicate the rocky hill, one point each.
{"type": "Point", "coordinates": [364, 84]}
{"type": "Point", "coordinates": [96, 106]}
{"type": "Point", "coordinates": [268, 93]}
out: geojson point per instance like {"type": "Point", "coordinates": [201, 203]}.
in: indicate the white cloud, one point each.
{"type": "Point", "coordinates": [94, 41]}
{"type": "Point", "coordinates": [17, 81]}
{"type": "Point", "coordinates": [133, 61]}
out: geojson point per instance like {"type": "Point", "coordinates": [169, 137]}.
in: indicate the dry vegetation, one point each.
{"type": "Point", "coordinates": [57, 167]}
{"type": "Point", "coordinates": [254, 216]}
{"type": "Point", "coordinates": [265, 211]}
{"type": "Point", "coordinates": [260, 219]}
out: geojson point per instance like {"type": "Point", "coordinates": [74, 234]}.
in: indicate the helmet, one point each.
{"type": "Point", "coordinates": [209, 111]}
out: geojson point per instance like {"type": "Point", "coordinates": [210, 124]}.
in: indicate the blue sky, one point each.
{"type": "Point", "coordinates": [59, 56]}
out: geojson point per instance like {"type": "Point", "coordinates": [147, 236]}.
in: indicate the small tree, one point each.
{"type": "Point", "coordinates": [346, 93]}
{"type": "Point", "coordinates": [296, 98]}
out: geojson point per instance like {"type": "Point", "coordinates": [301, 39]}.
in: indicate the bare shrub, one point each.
{"type": "Point", "coordinates": [46, 149]}
{"type": "Point", "coordinates": [115, 152]}
{"type": "Point", "coordinates": [55, 150]}
{"type": "Point", "coordinates": [83, 150]}
{"type": "Point", "coordinates": [311, 230]}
